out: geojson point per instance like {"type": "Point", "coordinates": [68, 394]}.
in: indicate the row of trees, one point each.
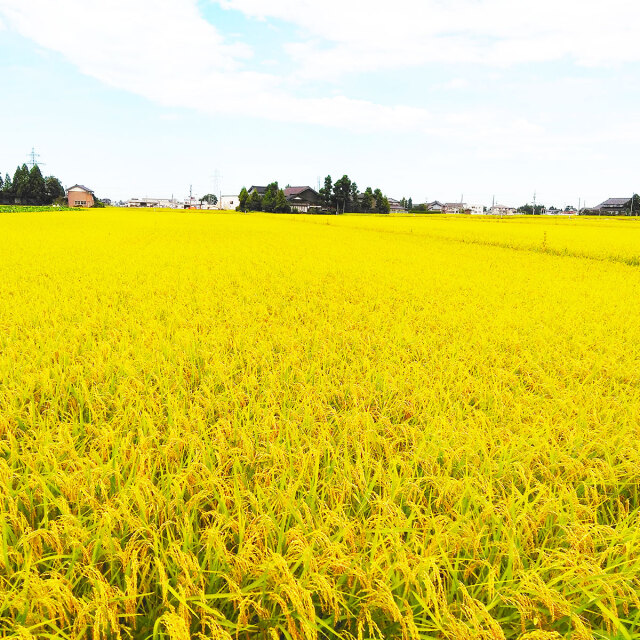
{"type": "Point", "coordinates": [343, 196]}
{"type": "Point", "coordinates": [273, 200]}
{"type": "Point", "coordinates": [30, 187]}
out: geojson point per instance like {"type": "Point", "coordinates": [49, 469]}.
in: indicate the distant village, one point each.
{"type": "Point", "coordinates": [305, 199]}
{"type": "Point", "coordinates": [28, 187]}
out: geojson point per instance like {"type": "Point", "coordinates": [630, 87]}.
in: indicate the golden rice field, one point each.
{"type": "Point", "coordinates": [304, 428]}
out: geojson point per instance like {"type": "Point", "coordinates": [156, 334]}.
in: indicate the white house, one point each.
{"type": "Point", "coordinates": [165, 203]}
{"type": "Point", "coordinates": [476, 209]}
{"type": "Point", "coordinates": [436, 205]}
{"type": "Point", "coordinates": [229, 203]}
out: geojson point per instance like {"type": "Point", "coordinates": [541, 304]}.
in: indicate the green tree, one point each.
{"type": "Point", "coordinates": [243, 197]}
{"type": "Point", "coordinates": [21, 183]}
{"type": "Point", "coordinates": [381, 202]}
{"type": "Point", "coordinates": [37, 193]}
{"type": "Point", "coordinates": [634, 206]}
{"type": "Point", "coordinates": [281, 206]}
{"type": "Point", "coordinates": [270, 196]}
{"type": "Point", "coordinates": [403, 202]}
{"type": "Point", "coordinates": [342, 193]}
{"type": "Point", "coordinates": [53, 189]}
{"type": "Point", "coordinates": [210, 199]}
{"type": "Point", "coordinates": [255, 202]}
{"type": "Point", "coordinates": [326, 193]}
{"type": "Point", "coordinates": [367, 200]}
{"type": "Point", "coordinates": [1, 182]}
{"type": "Point", "coordinates": [354, 198]}
{"type": "Point", "coordinates": [410, 204]}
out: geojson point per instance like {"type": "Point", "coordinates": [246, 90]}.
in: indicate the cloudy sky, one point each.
{"type": "Point", "coordinates": [432, 99]}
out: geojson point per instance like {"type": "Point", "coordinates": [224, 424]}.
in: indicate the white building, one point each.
{"type": "Point", "coordinates": [166, 203]}
{"type": "Point", "coordinates": [476, 209]}
{"type": "Point", "coordinates": [229, 203]}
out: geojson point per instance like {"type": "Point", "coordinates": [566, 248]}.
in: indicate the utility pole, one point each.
{"type": "Point", "coordinates": [217, 177]}
{"type": "Point", "coordinates": [534, 203]}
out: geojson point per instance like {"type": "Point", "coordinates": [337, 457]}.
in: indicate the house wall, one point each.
{"type": "Point", "coordinates": [78, 196]}
{"type": "Point", "coordinates": [229, 203]}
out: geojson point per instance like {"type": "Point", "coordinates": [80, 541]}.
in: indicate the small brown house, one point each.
{"type": "Point", "coordinates": [79, 196]}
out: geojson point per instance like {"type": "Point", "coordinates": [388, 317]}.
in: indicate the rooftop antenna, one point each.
{"type": "Point", "coordinates": [33, 158]}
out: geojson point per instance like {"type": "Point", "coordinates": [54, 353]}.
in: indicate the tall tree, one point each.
{"type": "Point", "coordinates": [21, 183]}
{"type": "Point", "coordinates": [381, 202]}
{"type": "Point", "coordinates": [367, 200]}
{"type": "Point", "coordinates": [36, 188]}
{"type": "Point", "coordinates": [53, 189]}
{"type": "Point", "coordinates": [342, 193]}
{"type": "Point", "coordinates": [281, 205]}
{"type": "Point", "coordinates": [8, 185]}
{"type": "Point", "coordinates": [355, 198]}
{"type": "Point", "coordinates": [634, 206]}
{"type": "Point", "coordinates": [243, 197]}
{"type": "Point", "coordinates": [410, 204]}
{"type": "Point", "coordinates": [1, 182]}
{"type": "Point", "coordinates": [255, 201]}
{"type": "Point", "coordinates": [269, 198]}
{"type": "Point", "coordinates": [326, 193]}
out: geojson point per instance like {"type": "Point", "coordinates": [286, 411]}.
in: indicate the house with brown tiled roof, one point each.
{"type": "Point", "coordinates": [80, 196]}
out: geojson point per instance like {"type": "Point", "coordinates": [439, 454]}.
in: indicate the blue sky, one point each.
{"type": "Point", "coordinates": [431, 99]}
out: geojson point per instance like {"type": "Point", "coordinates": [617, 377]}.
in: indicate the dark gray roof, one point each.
{"type": "Point", "coordinates": [260, 190]}
{"type": "Point", "coordinates": [613, 202]}
{"type": "Point", "coordinates": [81, 187]}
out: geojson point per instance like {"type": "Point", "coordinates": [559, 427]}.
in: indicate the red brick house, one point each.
{"type": "Point", "coordinates": [79, 196]}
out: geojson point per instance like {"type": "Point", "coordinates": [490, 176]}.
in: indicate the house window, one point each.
{"type": "Point", "coordinates": [79, 203]}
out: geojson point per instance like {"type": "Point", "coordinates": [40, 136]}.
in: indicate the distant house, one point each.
{"type": "Point", "coordinates": [436, 205]}
{"type": "Point", "coordinates": [476, 209]}
{"type": "Point", "coordinates": [454, 207]}
{"type": "Point", "coordinates": [80, 196]}
{"type": "Point", "coordinates": [552, 211]}
{"type": "Point", "coordinates": [164, 203]}
{"type": "Point", "coordinates": [229, 203]}
{"type": "Point", "coordinates": [612, 207]}
{"type": "Point", "coordinates": [259, 190]}
{"type": "Point", "coordinates": [502, 210]}
{"type": "Point", "coordinates": [395, 206]}
{"type": "Point", "coordinates": [302, 199]}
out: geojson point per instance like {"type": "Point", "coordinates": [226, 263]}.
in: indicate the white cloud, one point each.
{"type": "Point", "coordinates": [167, 52]}
{"type": "Point", "coordinates": [367, 35]}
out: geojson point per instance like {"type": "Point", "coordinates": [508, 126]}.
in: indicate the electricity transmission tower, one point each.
{"type": "Point", "coordinates": [33, 158]}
